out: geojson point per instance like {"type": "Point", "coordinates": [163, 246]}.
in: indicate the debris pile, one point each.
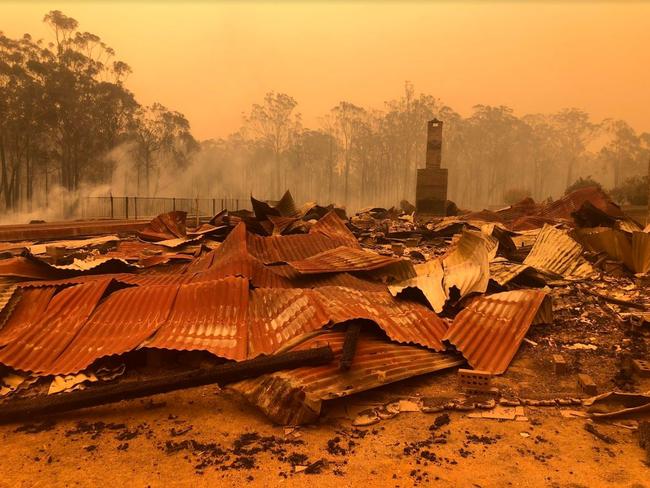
{"type": "Point", "coordinates": [391, 295]}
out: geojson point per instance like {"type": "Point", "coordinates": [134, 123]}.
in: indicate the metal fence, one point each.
{"type": "Point", "coordinates": [112, 207]}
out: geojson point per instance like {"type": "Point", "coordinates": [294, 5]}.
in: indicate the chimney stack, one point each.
{"type": "Point", "coordinates": [431, 185]}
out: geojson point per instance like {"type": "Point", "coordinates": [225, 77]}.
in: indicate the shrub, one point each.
{"type": "Point", "coordinates": [515, 195]}
{"type": "Point", "coordinates": [582, 183]}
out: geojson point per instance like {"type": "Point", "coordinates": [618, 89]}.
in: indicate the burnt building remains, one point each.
{"type": "Point", "coordinates": [431, 187]}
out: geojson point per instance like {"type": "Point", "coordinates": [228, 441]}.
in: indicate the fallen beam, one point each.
{"type": "Point", "coordinates": [617, 301]}
{"type": "Point", "coordinates": [28, 408]}
{"type": "Point", "coordinates": [349, 345]}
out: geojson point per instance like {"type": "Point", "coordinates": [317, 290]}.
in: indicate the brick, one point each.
{"type": "Point", "coordinates": [641, 367]}
{"type": "Point", "coordinates": [475, 381]}
{"type": "Point", "coordinates": [587, 384]}
{"type": "Point", "coordinates": [559, 364]}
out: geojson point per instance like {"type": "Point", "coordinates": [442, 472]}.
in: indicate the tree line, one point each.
{"type": "Point", "coordinates": [67, 120]}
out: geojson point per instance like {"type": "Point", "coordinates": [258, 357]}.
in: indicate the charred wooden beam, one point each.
{"type": "Point", "coordinates": [28, 408]}
{"type": "Point", "coordinates": [349, 345]}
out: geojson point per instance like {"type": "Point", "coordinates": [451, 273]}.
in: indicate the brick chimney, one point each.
{"type": "Point", "coordinates": [431, 185]}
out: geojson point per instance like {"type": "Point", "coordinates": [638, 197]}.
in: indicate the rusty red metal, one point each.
{"type": "Point", "coordinates": [489, 331]}
{"type": "Point", "coordinates": [342, 259]}
{"type": "Point", "coordinates": [562, 208]}
{"type": "Point", "coordinates": [295, 397]}
{"type": "Point", "coordinates": [119, 324]}
{"type": "Point", "coordinates": [208, 316]}
{"type": "Point", "coordinates": [32, 304]}
{"type": "Point", "coordinates": [165, 226]}
{"type": "Point", "coordinates": [40, 344]}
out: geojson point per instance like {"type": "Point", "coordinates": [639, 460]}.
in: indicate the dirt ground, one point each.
{"type": "Point", "coordinates": [209, 437]}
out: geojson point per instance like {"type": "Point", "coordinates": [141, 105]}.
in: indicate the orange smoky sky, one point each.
{"type": "Point", "coordinates": [212, 60]}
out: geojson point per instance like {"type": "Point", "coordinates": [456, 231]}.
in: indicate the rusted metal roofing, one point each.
{"type": "Point", "coordinates": [562, 208]}
{"type": "Point", "coordinates": [346, 280]}
{"type": "Point", "coordinates": [8, 298]}
{"type": "Point", "coordinates": [641, 252]}
{"type": "Point", "coordinates": [489, 331]}
{"type": "Point", "coordinates": [94, 242]}
{"type": "Point", "coordinates": [165, 226]}
{"type": "Point", "coordinates": [279, 315]}
{"type": "Point", "coordinates": [613, 242]}
{"type": "Point", "coordinates": [524, 208]}
{"type": "Point", "coordinates": [36, 269]}
{"type": "Point", "coordinates": [503, 271]}
{"type": "Point", "coordinates": [328, 233]}
{"type": "Point", "coordinates": [466, 267]}
{"type": "Point", "coordinates": [428, 279]}
{"type": "Point", "coordinates": [342, 259]}
{"type": "Point", "coordinates": [531, 222]}
{"type": "Point", "coordinates": [119, 324]}
{"type": "Point", "coordinates": [22, 267]}
{"type": "Point", "coordinates": [40, 344]}
{"type": "Point", "coordinates": [209, 316]}
{"type": "Point", "coordinates": [556, 253]}
{"type": "Point", "coordinates": [403, 320]}
{"type": "Point", "coordinates": [295, 397]}
{"type": "Point", "coordinates": [32, 304]}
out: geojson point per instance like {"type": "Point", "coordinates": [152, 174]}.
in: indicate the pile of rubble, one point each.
{"type": "Point", "coordinates": [389, 295]}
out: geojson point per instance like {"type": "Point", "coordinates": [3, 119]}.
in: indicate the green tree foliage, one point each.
{"type": "Point", "coordinates": [581, 182]}
{"type": "Point", "coordinates": [633, 191]}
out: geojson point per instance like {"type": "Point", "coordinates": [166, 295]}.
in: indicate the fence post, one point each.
{"type": "Point", "coordinates": [135, 207]}
{"type": "Point", "coordinates": [112, 217]}
{"type": "Point", "coordinates": [174, 204]}
{"type": "Point", "coordinates": [126, 207]}
{"type": "Point", "coordinates": [214, 203]}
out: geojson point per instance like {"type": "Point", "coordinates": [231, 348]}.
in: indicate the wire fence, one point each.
{"type": "Point", "coordinates": [112, 207]}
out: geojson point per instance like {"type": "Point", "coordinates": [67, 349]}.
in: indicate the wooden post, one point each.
{"type": "Point", "coordinates": [126, 207]}
{"type": "Point", "coordinates": [112, 214]}
{"type": "Point", "coordinates": [174, 204]}
{"type": "Point", "coordinates": [214, 206]}
{"type": "Point", "coordinates": [135, 207]}
{"type": "Point", "coordinates": [197, 212]}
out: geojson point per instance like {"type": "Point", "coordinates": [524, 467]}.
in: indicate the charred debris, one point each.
{"type": "Point", "coordinates": [293, 306]}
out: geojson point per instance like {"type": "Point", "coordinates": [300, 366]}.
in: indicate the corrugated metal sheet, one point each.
{"type": "Point", "coordinates": [503, 271]}
{"type": "Point", "coordinates": [641, 252]}
{"type": "Point", "coordinates": [615, 243]}
{"type": "Point", "coordinates": [328, 233]}
{"type": "Point", "coordinates": [336, 279]}
{"type": "Point", "coordinates": [489, 331]}
{"type": "Point", "coordinates": [403, 320]}
{"type": "Point", "coordinates": [102, 241]}
{"type": "Point", "coordinates": [118, 325]}
{"type": "Point", "coordinates": [556, 253]}
{"type": "Point", "coordinates": [245, 266]}
{"type": "Point", "coordinates": [9, 297]}
{"type": "Point", "coordinates": [342, 259]}
{"type": "Point", "coordinates": [32, 304]}
{"type": "Point", "coordinates": [22, 267]}
{"type": "Point", "coordinates": [165, 226]}
{"type": "Point", "coordinates": [294, 397]}
{"type": "Point", "coordinates": [562, 208]}
{"type": "Point", "coordinates": [467, 265]}
{"type": "Point", "coordinates": [277, 316]}
{"type": "Point", "coordinates": [428, 279]}
{"type": "Point", "coordinates": [531, 222]}
{"type": "Point", "coordinates": [39, 346]}
{"type": "Point", "coordinates": [208, 316]}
